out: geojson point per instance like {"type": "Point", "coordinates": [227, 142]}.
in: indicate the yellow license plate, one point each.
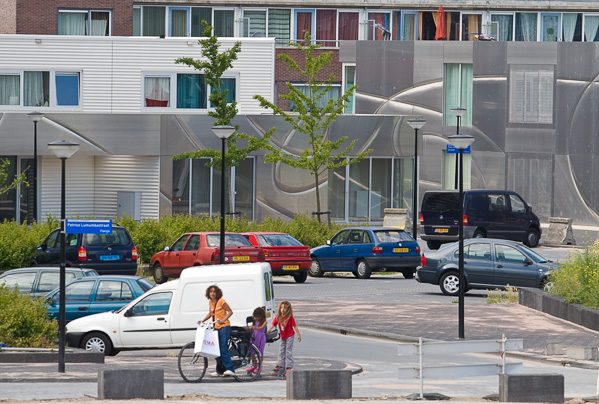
{"type": "Point", "coordinates": [290, 267]}
{"type": "Point", "coordinates": [441, 230]}
{"type": "Point", "coordinates": [241, 258]}
{"type": "Point", "coordinates": [401, 250]}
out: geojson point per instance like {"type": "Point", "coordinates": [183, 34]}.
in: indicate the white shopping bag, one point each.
{"type": "Point", "coordinates": [206, 342]}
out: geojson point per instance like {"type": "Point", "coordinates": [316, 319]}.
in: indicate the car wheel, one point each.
{"type": "Point", "coordinates": [97, 342]}
{"type": "Point", "coordinates": [408, 273]}
{"type": "Point", "coordinates": [301, 277]}
{"type": "Point", "coordinates": [532, 238]}
{"type": "Point", "coordinates": [315, 270]}
{"type": "Point", "coordinates": [158, 273]}
{"type": "Point", "coordinates": [362, 270]}
{"type": "Point", "coordinates": [433, 245]}
{"type": "Point", "coordinates": [478, 233]}
{"type": "Point", "coordinates": [450, 283]}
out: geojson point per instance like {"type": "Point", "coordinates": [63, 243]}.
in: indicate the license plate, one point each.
{"type": "Point", "coordinates": [290, 267]}
{"type": "Point", "coordinates": [401, 250]}
{"type": "Point", "coordinates": [241, 258]}
{"type": "Point", "coordinates": [109, 257]}
{"type": "Point", "coordinates": [441, 230]}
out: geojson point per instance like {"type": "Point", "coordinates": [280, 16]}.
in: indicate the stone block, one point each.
{"type": "Point", "coordinates": [560, 231]}
{"type": "Point", "coordinates": [396, 217]}
{"type": "Point", "coordinates": [541, 388]}
{"type": "Point", "coordinates": [531, 297]}
{"type": "Point", "coordinates": [125, 384]}
{"type": "Point", "coordinates": [555, 306]}
{"type": "Point", "coordinates": [590, 319]}
{"type": "Point", "coordinates": [319, 384]}
{"type": "Point", "coordinates": [72, 356]}
{"type": "Point", "coordinates": [582, 352]}
{"type": "Point", "coordinates": [554, 348]}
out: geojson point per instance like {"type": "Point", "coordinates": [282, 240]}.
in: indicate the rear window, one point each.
{"type": "Point", "coordinates": [441, 201]}
{"type": "Point", "coordinates": [145, 284]}
{"type": "Point", "coordinates": [231, 240]}
{"type": "Point", "coordinates": [391, 236]}
{"type": "Point", "coordinates": [119, 237]}
{"type": "Point", "coordinates": [278, 240]}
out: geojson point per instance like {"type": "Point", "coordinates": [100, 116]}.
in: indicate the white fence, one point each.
{"type": "Point", "coordinates": [452, 370]}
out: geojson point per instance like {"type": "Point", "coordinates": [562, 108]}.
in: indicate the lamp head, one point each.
{"type": "Point", "coordinates": [223, 131]}
{"type": "Point", "coordinates": [63, 148]}
{"type": "Point", "coordinates": [461, 142]}
{"type": "Point", "coordinates": [458, 111]}
{"type": "Point", "coordinates": [416, 123]}
{"type": "Point", "coordinates": [35, 116]}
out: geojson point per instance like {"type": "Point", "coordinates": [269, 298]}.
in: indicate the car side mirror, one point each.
{"type": "Point", "coordinates": [167, 248]}
{"type": "Point", "coordinates": [328, 242]}
{"type": "Point", "coordinates": [527, 261]}
{"type": "Point", "coordinates": [128, 312]}
{"type": "Point", "coordinates": [528, 208]}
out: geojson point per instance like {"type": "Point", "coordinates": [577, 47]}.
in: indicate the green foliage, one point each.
{"type": "Point", "coordinates": [577, 279]}
{"type": "Point", "coordinates": [312, 120]}
{"type": "Point", "coordinates": [24, 322]}
{"type": "Point", "coordinates": [214, 65]}
{"type": "Point", "coordinates": [5, 186]}
{"type": "Point", "coordinates": [18, 241]}
{"type": "Point", "coordinates": [499, 296]}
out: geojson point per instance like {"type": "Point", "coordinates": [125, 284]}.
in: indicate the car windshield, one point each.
{"type": "Point", "coordinates": [266, 240]}
{"type": "Point", "coordinates": [392, 236]}
{"type": "Point", "coordinates": [536, 257]}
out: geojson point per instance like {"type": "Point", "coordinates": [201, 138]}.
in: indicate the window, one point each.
{"type": "Point", "coordinates": [326, 27]}
{"type": "Point", "coordinates": [349, 79]}
{"type": "Point", "coordinates": [279, 25]}
{"type": "Point", "coordinates": [409, 26]}
{"type": "Point", "coordinates": [572, 27]}
{"type": "Point", "coordinates": [224, 23]}
{"type": "Point", "coordinates": [228, 84]}
{"type": "Point", "coordinates": [191, 91]}
{"type": "Point", "coordinates": [478, 251]}
{"type": "Point", "coordinates": [334, 92]}
{"type": "Point", "coordinates": [471, 24]}
{"type": "Point", "coordinates": [526, 26]}
{"type": "Point", "coordinates": [78, 292]}
{"type": "Point", "coordinates": [153, 20]}
{"type": "Point", "coordinates": [457, 89]}
{"type": "Point", "coordinates": [531, 95]}
{"type": "Point", "coordinates": [505, 26]}
{"type": "Point", "coordinates": [114, 291]}
{"type": "Point", "coordinates": [179, 20]}
{"type": "Point", "coordinates": [84, 22]}
{"type": "Point", "coordinates": [254, 23]}
{"type": "Point", "coordinates": [199, 14]}
{"type": "Point", "coordinates": [304, 21]}
{"type": "Point", "coordinates": [39, 89]}
{"type": "Point", "coordinates": [157, 91]}
{"type": "Point", "coordinates": [591, 23]}
{"type": "Point", "coordinates": [23, 280]}
{"type": "Point", "coordinates": [153, 305]}
{"type": "Point", "coordinates": [504, 253]}
{"type": "Point", "coordinates": [550, 27]}
{"type": "Point", "coordinates": [349, 23]}
{"type": "Point", "coordinates": [378, 27]}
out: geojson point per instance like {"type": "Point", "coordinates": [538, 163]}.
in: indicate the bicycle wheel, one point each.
{"type": "Point", "coordinates": [247, 356]}
{"type": "Point", "coordinates": [192, 367]}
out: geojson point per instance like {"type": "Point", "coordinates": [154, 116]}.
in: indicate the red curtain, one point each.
{"type": "Point", "coordinates": [348, 26]}
{"type": "Point", "coordinates": [304, 23]}
{"type": "Point", "coordinates": [326, 27]}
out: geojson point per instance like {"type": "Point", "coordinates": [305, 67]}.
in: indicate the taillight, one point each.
{"type": "Point", "coordinates": [377, 250]}
{"type": "Point", "coordinates": [423, 261]}
{"type": "Point", "coordinates": [418, 249]}
{"type": "Point", "coordinates": [261, 257]}
{"type": "Point", "coordinates": [465, 220]}
{"type": "Point", "coordinates": [134, 253]}
{"type": "Point", "coordinates": [421, 220]}
{"type": "Point", "coordinates": [215, 257]}
{"type": "Point", "coordinates": [82, 254]}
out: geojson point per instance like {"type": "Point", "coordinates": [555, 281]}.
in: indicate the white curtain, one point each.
{"type": "Point", "coordinates": [591, 23]}
{"type": "Point", "coordinates": [157, 91]}
{"type": "Point", "coordinates": [72, 23]}
{"type": "Point", "coordinates": [10, 89]}
{"type": "Point", "coordinates": [569, 23]}
{"type": "Point", "coordinates": [99, 24]}
{"type": "Point", "coordinates": [33, 89]}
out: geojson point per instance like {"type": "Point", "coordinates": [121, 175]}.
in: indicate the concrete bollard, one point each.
{"type": "Point", "coordinates": [541, 388]}
{"type": "Point", "coordinates": [319, 384]}
{"type": "Point", "coordinates": [124, 384]}
{"type": "Point", "coordinates": [397, 217]}
{"type": "Point", "coordinates": [582, 352]}
{"type": "Point", "coordinates": [560, 231]}
{"type": "Point", "coordinates": [554, 348]}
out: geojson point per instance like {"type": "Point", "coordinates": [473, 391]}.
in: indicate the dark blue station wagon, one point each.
{"type": "Point", "coordinates": [363, 250]}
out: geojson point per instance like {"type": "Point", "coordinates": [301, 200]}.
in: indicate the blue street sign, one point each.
{"type": "Point", "coordinates": [81, 226]}
{"type": "Point", "coordinates": [452, 149]}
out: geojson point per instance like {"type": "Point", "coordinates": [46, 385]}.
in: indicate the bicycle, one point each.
{"type": "Point", "coordinates": [192, 366]}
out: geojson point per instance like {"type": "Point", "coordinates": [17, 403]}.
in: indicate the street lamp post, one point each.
{"type": "Point", "coordinates": [415, 123]}
{"type": "Point", "coordinates": [63, 150]}
{"type": "Point", "coordinates": [35, 117]}
{"type": "Point", "coordinates": [223, 132]}
{"type": "Point", "coordinates": [461, 142]}
{"type": "Point", "coordinates": [457, 112]}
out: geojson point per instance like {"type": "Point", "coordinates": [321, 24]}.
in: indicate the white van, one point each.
{"type": "Point", "coordinates": [167, 315]}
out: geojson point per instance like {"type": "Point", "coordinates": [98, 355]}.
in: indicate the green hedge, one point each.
{"type": "Point", "coordinates": [18, 241]}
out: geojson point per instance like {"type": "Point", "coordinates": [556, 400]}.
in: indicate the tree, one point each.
{"type": "Point", "coordinates": [214, 65]}
{"type": "Point", "coordinates": [19, 179]}
{"type": "Point", "coordinates": [311, 119]}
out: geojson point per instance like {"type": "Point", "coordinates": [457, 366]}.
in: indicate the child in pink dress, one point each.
{"type": "Point", "coordinates": [258, 336]}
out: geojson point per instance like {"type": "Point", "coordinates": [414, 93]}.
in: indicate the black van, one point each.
{"type": "Point", "coordinates": [487, 213]}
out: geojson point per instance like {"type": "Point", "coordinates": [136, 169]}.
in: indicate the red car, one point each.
{"type": "Point", "coordinates": [286, 255]}
{"type": "Point", "coordinates": [202, 248]}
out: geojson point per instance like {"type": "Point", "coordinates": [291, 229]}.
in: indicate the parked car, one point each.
{"type": "Point", "coordinates": [363, 250]}
{"type": "Point", "coordinates": [202, 248]}
{"type": "Point", "coordinates": [109, 254]}
{"type": "Point", "coordinates": [488, 264]}
{"type": "Point", "coordinates": [285, 254]}
{"type": "Point", "coordinates": [85, 296]}
{"type": "Point", "coordinates": [40, 280]}
{"type": "Point", "coordinates": [167, 316]}
{"type": "Point", "coordinates": [487, 213]}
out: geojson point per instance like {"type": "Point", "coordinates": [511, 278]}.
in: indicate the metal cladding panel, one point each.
{"type": "Point", "coordinates": [532, 53]}
{"type": "Point", "coordinates": [79, 186]}
{"type": "Point", "coordinates": [126, 173]}
{"type": "Point", "coordinates": [428, 62]}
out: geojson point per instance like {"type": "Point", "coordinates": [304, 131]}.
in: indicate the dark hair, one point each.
{"type": "Point", "coordinates": [259, 315]}
{"type": "Point", "coordinates": [219, 293]}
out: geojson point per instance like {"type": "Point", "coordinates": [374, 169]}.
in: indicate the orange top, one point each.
{"type": "Point", "coordinates": [218, 313]}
